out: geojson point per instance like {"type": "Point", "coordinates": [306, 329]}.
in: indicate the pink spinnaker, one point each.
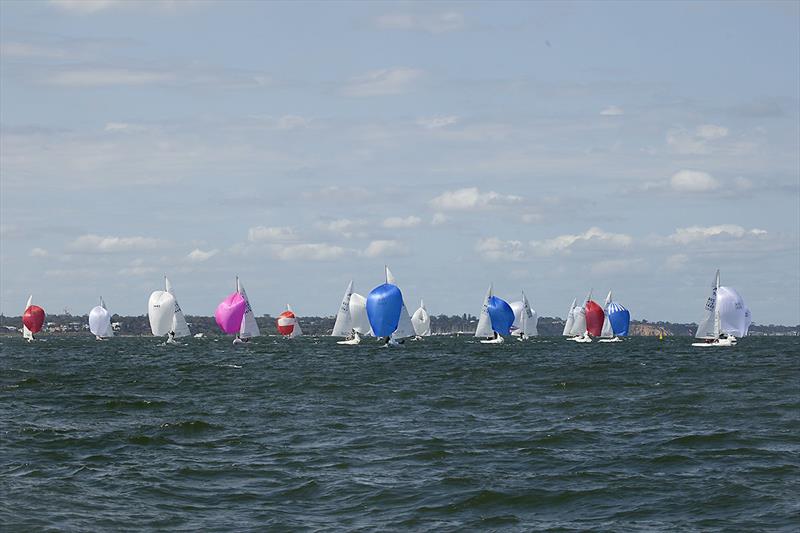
{"type": "Point", "coordinates": [230, 312]}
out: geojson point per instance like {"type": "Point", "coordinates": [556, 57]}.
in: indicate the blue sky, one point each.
{"type": "Point", "coordinates": [551, 147]}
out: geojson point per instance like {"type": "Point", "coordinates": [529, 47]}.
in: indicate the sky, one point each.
{"type": "Point", "coordinates": [547, 147]}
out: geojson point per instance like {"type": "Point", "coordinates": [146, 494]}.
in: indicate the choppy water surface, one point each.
{"type": "Point", "coordinates": [443, 434]}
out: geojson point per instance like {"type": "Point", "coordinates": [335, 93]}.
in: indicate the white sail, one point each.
{"type": "Point", "coordinates": [249, 327]}
{"type": "Point", "coordinates": [607, 331]}
{"type": "Point", "coordinates": [570, 319]}
{"type": "Point", "coordinates": [296, 330]}
{"type": "Point", "coordinates": [26, 333]}
{"type": "Point", "coordinates": [404, 326]}
{"type": "Point", "coordinates": [748, 319]}
{"type": "Point", "coordinates": [708, 327]}
{"type": "Point", "coordinates": [484, 328]}
{"type": "Point", "coordinates": [344, 322]}
{"type": "Point", "coordinates": [161, 312]}
{"type": "Point", "coordinates": [389, 276]}
{"type": "Point", "coordinates": [179, 325]}
{"type": "Point", "coordinates": [100, 321]}
{"type": "Point", "coordinates": [579, 321]}
{"type": "Point", "coordinates": [733, 313]}
{"type": "Point", "coordinates": [421, 321]}
{"type": "Point", "coordinates": [528, 318]}
{"type": "Point", "coordinates": [358, 314]}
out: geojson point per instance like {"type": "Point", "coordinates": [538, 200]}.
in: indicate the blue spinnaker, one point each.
{"type": "Point", "coordinates": [619, 317]}
{"type": "Point", "coordinates": [384, 303]}
{"type": "Point", "coordinates": [501, 315]}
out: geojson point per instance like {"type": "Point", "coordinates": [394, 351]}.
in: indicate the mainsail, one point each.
{"type": "Point", "coordinates": [344, 322]}
{"type": "Point", "coordinates": [179, 325]}
{"type": "Point", "coordinates": [358, 313]}
{"type": "Point", "coordinates": [484, 328]}
{"type": "Point", "coordinates": [525, 318]}
{"type": "Point", "coordinates": [570, 322]}
{"type": "Point", "coordinates": [709, 325]}
{"type": "Point", "coordinates": [248, 327]}
{"type": "Point", "coordinates": [607, 331]}
{"type": "Point", "coordinates": [26, 333]}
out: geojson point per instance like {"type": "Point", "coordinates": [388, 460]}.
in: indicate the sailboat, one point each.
{"type": "Point", "coordinates": [570, 319]}
{"type": "Point", "coordinates": [166, 317]}
{"type": "Point", "coordinates": [525, 319]}
{"type": "Point", "coordinates": [578, 330]}
{"type": "Point", "coordinates": [234, 315]}
{"type": "Point", "coordinates": [100, 321]}
{"type": "Point", "coordinates": [726, 317]}
{"type": "Point", "coordinates": [495, 320]}
{"type": "Point", "coordinates": [288, 324]}
{"type": "Point", "coordinates": [421, 321]}
{"type": "Point", "coordinates": [387, 312]}
{"type": "Point", "coordinates": [32, 320]}
{"type": "Point", "coordinates": [616, 322]}
{"type": "Point", "coordinates": [351, 318]}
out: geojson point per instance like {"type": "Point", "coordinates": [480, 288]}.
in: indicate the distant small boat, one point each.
{"type": "Point", "coordinates": [100, 321]}
{"type": "Point", "coordinates": [387, 313]}
{"type": "Point", "coordinates": [525, 319]}
{"type": "Point", "coordinates": [726, 317]}
{"type": "Point", "coordinates": [578, 331]}
{"type": "Point", "coordinates": [288, 324]}
{"type": "Point", "coordinates": [234, 315]}
{"type": "Point", "coordinates": [495, 320]}
{"type": "Point", "coordinates": [421, 321]}
{"type": "Point", "coordinates": [351, 318]}
{"type": "Point", "coordinates": [616, 322]}
{"type": "Point", "coordinates": [165, 314]}
{"type": "Point", "coordinates": [32, 320]}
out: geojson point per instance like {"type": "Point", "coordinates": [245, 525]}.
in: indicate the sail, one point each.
{"type": "Point", "coordinates": [528, 318]}
{"type": "Point", "coordinates": [161, 312]}
{"type": "Point", "coordinates": [288, 325]}
{"type": "Point", "coordinates": [570, 319]}
{"type": "Point", "coordinates": [748, 319]}
{"type": "Point", "coordinates": [501, 315]}
{"type": "Point", "coordinates": [607, 331]}
{"type": "Point", "coordinates": [619, 318]}
{"type": "Point", "coordinates": [26, 333]}
{"type": "Point", "coordinates": [579, 321]}
{"type": "Point", "coordinates": [230, 312]}
{"type": "Point", "coordinates": [484, 328]}
{"type": "Point", "coordinates": [389, 276]}
{"type": "Point", "coordinates": [733, 313]}
{"type": "Point", "coordinates": [421, 321]}
{"type": "Point", "coordinates": [706, 329]}
{"type": "Point", "coordinates": [179, 325]}
{"type": "Point", "coordinates": [358, 314]}
{"type": "Point", "coordinates": [100, 321]}
{"type": "Point", "coordinates": [594, 318]}
{"type": "Point", "coordinates": [344, 322]}
{"type": "Point", "coordinates": [249, 326]}
{"type": "Point", "coordinates": [384, 306]}
{"type": "Point", "coordinates": [404, 326]}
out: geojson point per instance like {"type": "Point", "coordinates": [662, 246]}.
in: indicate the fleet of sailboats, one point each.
{"type": "Point", "coordinates": [384, 314]}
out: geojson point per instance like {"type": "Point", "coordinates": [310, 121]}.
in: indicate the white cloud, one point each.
{"type": "Point", "coordinates": [399, 222]}
{"type": "Point", "coordinates": [700, 233]}
{"type": "Point", "coordinates": [345, 227]}
{"type": "Point", "coordinates": [471, 198]}
{"type": "Point", "coordinates": [137, 270]}
{"type": "Point", "coordinates": [99, 244]}
{"type": "Point", "coordinates": [308, 252]}
{"type": "Point", "coordinates": [614, 266]}
{"type": "Point", "coordinates": [100, 76]}
{"type": "Point", "coordinates": [88, 7]}
{"type": "Point", "coordinates": [270, 234]}
{"type": "Point", "coordinates": [15, 49]}
{"type": "Point", "coordinates": [38, 252]}
{"type": "Point", "coordinates": [697, 141]}
{"type": "Point", "coordinates": [385, 248]}
{"type": "Point", "coordinates": [396, 80]}
{"type": "Point", "coordinates": [495, 249]}
{"type": "Point", "coordinates": [676, 262]}
{"type": "Point", "coordinates": [85, 6]}
{"type": "Point", "coordinates": [125, 127]}
{"type": "Point", "coordinates": [693, 181]}
{"type": "Point", "coordinates": [432, 23]}
{"type": "Point", "coordinates": [439, 219]}
{"type": "Point", "coordinates": [563, 243]}
{"type": "Point", "coordinates": [198, 256]}
{"type": "Point", "coordinates": [612, 111]}
{"type": "Point", "coordinates": [439, 121]}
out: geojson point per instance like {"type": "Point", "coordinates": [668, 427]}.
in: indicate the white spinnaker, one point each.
{"type": "Point", "coordinates": [249, 327]}
{"type": "Point", "coordinates": [179, 325]}
{"type": "Point", "coordinates": [421, 321]}
{"type": "Point", "coordinates": [607, 331]}
{"type": "Point", "coordinates": [708, 327]}
{"type": "Point", "coordinates": [570, 319]}
{"type": "Point", "coordinates": [100, 321]}
{"type": "Point", "coordinates": [528, 318]}
{"type": "Point", "coordinates": [344, 322]}
{"type": "Point", "coordinates": [358, 313]}
{"type": "Point", "coordinates": [161, 312]}
{"type": "Point", "coordinates": [579, 322]}
{"type": "Point", "coordinates": [26, 333]}
{"type": "Point", "coordinates": [733, 313]}
{"type": "Point", "coordinates": [484, 328]}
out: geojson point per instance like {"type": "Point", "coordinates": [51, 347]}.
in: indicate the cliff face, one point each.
{"type": "Point", "coordinates": [647, 330]}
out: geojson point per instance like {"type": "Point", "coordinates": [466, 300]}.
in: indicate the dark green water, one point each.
{"type": "Point", "coordinates": [444, 434]}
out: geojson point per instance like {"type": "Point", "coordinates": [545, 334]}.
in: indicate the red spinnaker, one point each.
{"type": "Point", "coordinates": [594, 318]}
{"type": "Point", "coordinates": [286, 321]}
{"type": "Point", "coordinates": [33, 318]}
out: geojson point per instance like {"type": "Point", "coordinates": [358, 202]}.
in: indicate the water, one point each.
{"type": "Point", "coordinates": [444, 434]}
